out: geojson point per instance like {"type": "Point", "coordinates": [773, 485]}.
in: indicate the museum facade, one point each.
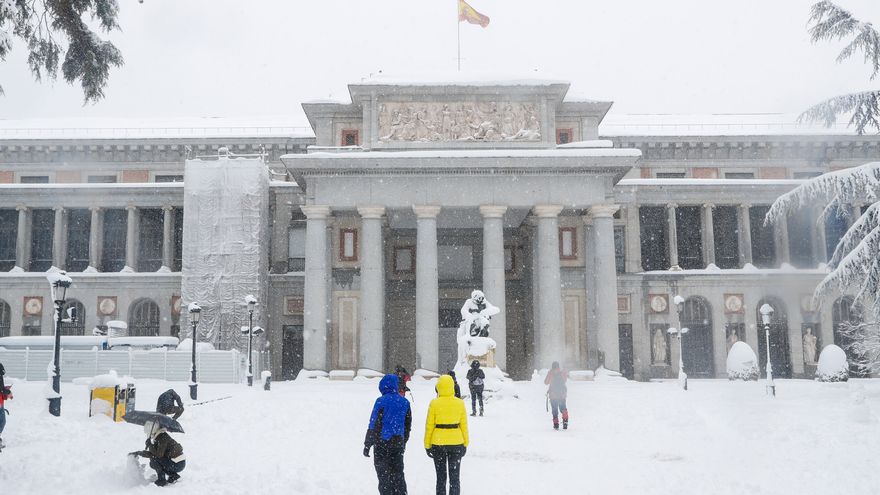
{"type": "Point", "coordinates": [377, 225]}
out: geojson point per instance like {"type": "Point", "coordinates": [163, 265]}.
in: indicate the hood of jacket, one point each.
{"type": "Point", "coordinates": [388, 384]}
{"type": "Point", "coordinates": [445, 386]}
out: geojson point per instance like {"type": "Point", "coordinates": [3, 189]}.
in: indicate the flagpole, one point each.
{"type": "Point", "coordinates": [458, 23]}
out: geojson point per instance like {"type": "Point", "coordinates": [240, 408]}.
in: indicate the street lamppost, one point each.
{"type": "Point", "coordinates": [251, 331]}
{"type": "Point", "coordinates": [679, 332]}
{"type": "Point", "coordinates": [194, 312]}
{"type": "Point", "coordinates": [59, 282]}
{"type": "Point", "coordinates": [766, 313]}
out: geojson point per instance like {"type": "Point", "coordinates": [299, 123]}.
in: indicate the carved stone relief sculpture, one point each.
{"type": "Point", "coordinates": [473, 121]}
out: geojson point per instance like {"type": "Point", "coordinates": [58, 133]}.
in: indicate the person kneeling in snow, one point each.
{"type": "Point", "coordinates": [390, 424]}
{"type": "Point", "coordinates": [165, 454]}
{"type": "Point", "coordinates": [170, 403]}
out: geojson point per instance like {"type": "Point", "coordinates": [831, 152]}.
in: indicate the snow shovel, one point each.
{"type": "Point", "coordinates": [547, 401]}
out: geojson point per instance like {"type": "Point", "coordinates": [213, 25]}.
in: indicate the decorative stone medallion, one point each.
{"type": "Point", "coordinates": [33, 305]}
{"type": "Point", "coordinates": [733, 303]}
{"type": "Point", "coordinates": [659, 303]}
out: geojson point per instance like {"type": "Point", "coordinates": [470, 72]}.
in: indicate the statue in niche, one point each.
{"type": "Point", "coordinates": [810, 342]}
{"type": "Point", "coordinates": [659, 347]}
{"type": "Point", "coordinates": [732, 338]}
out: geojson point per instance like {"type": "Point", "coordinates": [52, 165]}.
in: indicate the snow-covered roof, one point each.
{"type": "Point", "coordinates": [724, 124]}
{"type": "Point", "coordinates": [498, 153]}
{"type": "Point", "coordinates": [171, 128]}
{"type": "Point", "coordinates": [459, 79]}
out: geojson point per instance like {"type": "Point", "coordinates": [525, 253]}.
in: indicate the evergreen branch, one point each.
{"type": "Point", "coordinates": [863, 107]}
{"type": "Point", "coordinates": [831, 22]}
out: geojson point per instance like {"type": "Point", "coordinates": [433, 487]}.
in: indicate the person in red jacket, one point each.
{"type": "Point", "coordinates": [402, 378]}
{"type": "Point", "coordinates": [5, 393]}
{"type": "Point", "coordinates": [557, 392]}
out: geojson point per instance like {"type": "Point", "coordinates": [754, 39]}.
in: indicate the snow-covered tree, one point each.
{"type": "Point", "coordinates": [831, 22]}
{"type": "Point", "coordinates": [57, 31]}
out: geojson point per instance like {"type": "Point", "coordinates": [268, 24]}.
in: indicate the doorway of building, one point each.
{"type": "Point", "coordinates": [696, 345]}
{"type": "Point", "coordinates": [625, 343]}
{"type": "Point", "coordinates": [291, 351]}
{"type": "Point", "coordinates": [780, 354]}
{"type": "Point", "coordinates": [448, 345]}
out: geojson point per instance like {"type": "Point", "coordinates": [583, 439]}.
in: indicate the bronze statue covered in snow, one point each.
{"type": "Point", "coordinates": [473, 332]}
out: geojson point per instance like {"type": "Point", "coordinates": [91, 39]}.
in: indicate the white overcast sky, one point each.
{"type": "Point", "coordinates": [234, 58]}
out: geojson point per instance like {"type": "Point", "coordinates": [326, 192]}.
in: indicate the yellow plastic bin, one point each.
{"type": "Point", "coordinates": [114, 401]}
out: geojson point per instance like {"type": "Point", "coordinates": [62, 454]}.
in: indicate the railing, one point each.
{"type": "Point", "coordinates": [150, 132]}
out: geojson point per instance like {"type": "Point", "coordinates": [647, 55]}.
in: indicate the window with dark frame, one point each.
{"type": "Point", "coordinates": [79, 223]}
{"type": "Point", "coordinates": [689, 230]}
{"type": "Point", "coordinates": [725, 228]}
{"type": "Point", "coordinates": [739, 175]}
{"type": "Point", "coordinates": [113, 252]}
{"type": "Point", "coordinates": [169, 178]}
{"type": "Point", "coordinates": [34, 179]}
{"type": "Point", "coordinates": [404, 261]}
{"type": "Point", "coordinates": [800, 238]}
{"type": "Point", "coordinates": [620, 248]}
{"type": "Point", "coordinates": [564, 136]}
{"type": "Point", "coordinates": [568, 243]}
{"type": "Point", "coordinates": [670, 175]}
{"type": "Point", "coordinates": [509, 259]}
{"type": "Point", "coordinates": [296, 249]}
{"type": "Point", "coordinates": [42, 233]}
{"type": "Point", "coordinates": [652, 238]}
{"type": "Point", "coordinates": [8, 234]}
{"type": "Point", "coordinates": [348, 245]}
{"type": "Point", "coordinates": [350, 137]}
{"type": "Point", "coordinates": [101, 179]}
{"type": "Point", "coordinates": [151, 237]}
{"type": "Point", "coordinates": [763, 238]}
{"type": "Point", "coordinates": [178, 240]}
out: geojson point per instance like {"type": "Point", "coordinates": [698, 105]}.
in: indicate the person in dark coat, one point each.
{"type": "Point", "coordinates": [557, 392]}
{"type": "Point", "coordinates": [387, 434]}
{"type": "Point", "coordinates": [5, 394]}
{"type": "Point", "coordinates": [403, 377]}
{"type": "Point", "coordinates": [476, 381]}
{"type": "Point", "coordinates": [165, 454]}
{"type": "Point", "coordinates": [170, 403]}
{"type": "Point", "coordinates": [455, 380]}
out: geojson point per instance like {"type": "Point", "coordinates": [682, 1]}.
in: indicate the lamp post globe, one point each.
{"type": "Point", "coordinates": [766, 314]}
{"type": "Point", "coordinates": [195, 312]}
{"type": "Point", "coordinates": [59, 282]}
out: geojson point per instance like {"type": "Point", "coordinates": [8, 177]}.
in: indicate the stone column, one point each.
{"type": "Point", "coordinates": [708, 234]}
{"type": "Point", "coordinates": [672, 235]}
{"type": "Point", "coordinates": [783, 254]}
{"type": "Point", "coordinates": [372, 341]}
{"type": "Point", "coordinates": [315, 294]}
{"type": "Point", "coordinates": [745, 235]}
{"type": "Point", "coordinates": [633, 239]}
{"type": "Point", "coordinates": [427, 291]}
{"type": "Point", "coordinates": [591, 287]}
{"type": "Point", "coordinates": [59, 243]}
{"type": "Point", "coordinates": [549, 336]}
{"type": "Point", "coordinates": [95, 245]}
{"type": "Point", "coordinates": [493, 275]}
{"type": "Point", "coordinates": [606, 284]}
{"type": "Point", "coordinates": [131, 237]}
{"type": "Point", "coordinates": [23, 239]}
{"type": "Point", "coordinates": [820, 247]}
{"type": "Point", "coordinates": [168, 237]}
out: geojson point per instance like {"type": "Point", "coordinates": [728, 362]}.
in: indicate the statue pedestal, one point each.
{"type": "Point", "coordinates": [486, 361]}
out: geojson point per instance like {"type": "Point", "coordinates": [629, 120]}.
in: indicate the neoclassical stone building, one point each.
{"type": "Point", "coordinates": [399, 203]}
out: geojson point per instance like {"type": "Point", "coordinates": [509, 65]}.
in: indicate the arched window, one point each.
{"type": "Point", "coordinates": [5, 318]}
{"type": "Point", "coordinates": [780, 353]}
{"type": "Point", "coordinates": [143, 318]}
{"type": "Point", "coordinates": [77, 327]}
{"type": "Point", "coordinates": [696, 345]}
{"type": "Point", "coordinates": [843, 313]}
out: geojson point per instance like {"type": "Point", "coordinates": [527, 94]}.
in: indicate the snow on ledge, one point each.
{"type": "Point", "coordinates": [593, 143]}
{"type": "Point", "coordinates": [479, 153]}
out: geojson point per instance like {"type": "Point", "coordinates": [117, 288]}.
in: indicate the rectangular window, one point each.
{"type": "Point", "coordinates": [655, 252]}
{"type": "Point", "coordinates": [670, 175]}
{"type": "Point", "coordinates": [34, 179]}
{"type": "Point", "coordinates": [509, 259]}
{"type": "Point", "coordinates": [113, 252]}
{"type": "Point", "coordinates": [169, 178]}
{"type": "Point", "coordinates": [404, 259]}
{"type": "Point", "coordinates": [739, 175]}
{"type": "Point", "coordinates": [350, 137]}
{"type": "Point", "coordinates": [42, 233]}
{"type": "Point", "coordinates": [79, 224]}
{"type": "Point", "coordinates": [835, 226]}
{"type": "Point", "coordinates": [726, 232]}
{"type": "Point", "coordinates": [807, 175]}
{"type": "Point", "coordinates": [455, 262]}
{"type": "Point", "coordinates": [151, 238]}
{"type": "Point", "coordinates": [31, 326]}
{"type": "Point", "coordinates": [564, 136]}
{"type": "Point", "coordinates": [689, 230]}
{"type": "Point", "coordinates": [178, 240]}
{"type": "Point", "coordinates": [620, 248]}
{"type": "Point", "coordinates": [800, 238]}
{"type": "Point", "coordinates": [8, 234]}
{"type": "Point", "coordinates": [763, 242]}
{"type": "Point", "coordinates": [348, 245]}
{"type": "Point", "coordinates": [101, 179]}
{"type": "Point", "coordinates": [567, 243]}
{"type": "Point", "coordinates": [296, 249]}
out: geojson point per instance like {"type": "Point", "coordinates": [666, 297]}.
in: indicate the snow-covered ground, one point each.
{"type": "Point", "coordinates": [625, 437]}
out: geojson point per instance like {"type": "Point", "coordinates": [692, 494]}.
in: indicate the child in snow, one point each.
{"type": "Point", "coordinates": [390, 424]}
{"type": "Point", "coordinates": [476, 379]}
{"type": "Point", "coordinates": [446, 435]}
{"type": "Point", "coordinates": [5, 394]}
{"type": "Point", "coordinates": [165, 454]}
{"type": "Point", "coordinates": [170, 403]}
{"type": "Point", "coordinates": [402, 378]}
{"type": "Point", "coordinates": [557, 392]}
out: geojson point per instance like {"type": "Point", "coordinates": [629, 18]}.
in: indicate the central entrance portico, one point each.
{"type": "Point", "coordinates": [441, 215]}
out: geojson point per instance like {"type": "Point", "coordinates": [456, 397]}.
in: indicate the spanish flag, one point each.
{"type": "Point", "coordinates": [466, 13]}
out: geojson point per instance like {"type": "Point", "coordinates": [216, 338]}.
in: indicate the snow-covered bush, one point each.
{"type": "Point", "coordinates": [742, 363]}
{"type": "Point", "coordinates": [833, 366]}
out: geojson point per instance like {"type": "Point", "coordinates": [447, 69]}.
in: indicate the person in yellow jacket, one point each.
{"type": "Point", "coordinates": [446, 435]}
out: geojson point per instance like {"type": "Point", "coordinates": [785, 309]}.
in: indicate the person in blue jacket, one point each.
{"type": "Point", "coordinates": [387, 434]}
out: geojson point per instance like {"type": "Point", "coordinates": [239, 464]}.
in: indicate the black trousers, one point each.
{"type": "Point", "coordinates": [558, 406]}
{"type": "Point", "coordinates": [476, 395]}
{"type": "Point", "coordinates": [447, 459]}
{"type": "Point", "coordinates": [165, 467]}
{"type": "Point", "coordinates": [389, 470]}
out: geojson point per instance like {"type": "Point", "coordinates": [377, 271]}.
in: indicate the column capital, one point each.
{"type": "Point", "coordinates": [131, 208]}
{"type": "Point", "coordinates": [95, 209]}
{"type": "Point", "coordinates": [315, 212]}
{"type": "Point", "coordinates": [372, 211]}
{"type": "Point", "coordinates": [21, 208]}
{"type": "Point", "coordinates": [167, 208]}
{"type": "Point", "coordinates": [708, 206]}
{"type": "Point", "coordinates": [59, 208]}
{"type": "Point", "coordinates": [603, 211]}
{"type": "Point", "coordinates": [671, 205]}
{"type": "Point", "coordinates": [493, 211]}
{"type": "Point", "coordinates": [547, 211]}
{"type": "Point", "coordinates": [426, 211]}
{"type": "Point", "coordinates": [745, 206]}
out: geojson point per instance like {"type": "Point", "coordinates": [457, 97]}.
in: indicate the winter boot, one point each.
{"type": "Point", "coordinates": [565, 425]}
{"type": "Point", "coordinates": [555, 424]}
{"type": "Point", "coordinates": [173, 477]}
{"type": "Point", "coordinates": [160, 482]}
{"type": "Point", "coordinates": [481, 411]}
{"type": "Point", "coordinates": [473, 413]}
